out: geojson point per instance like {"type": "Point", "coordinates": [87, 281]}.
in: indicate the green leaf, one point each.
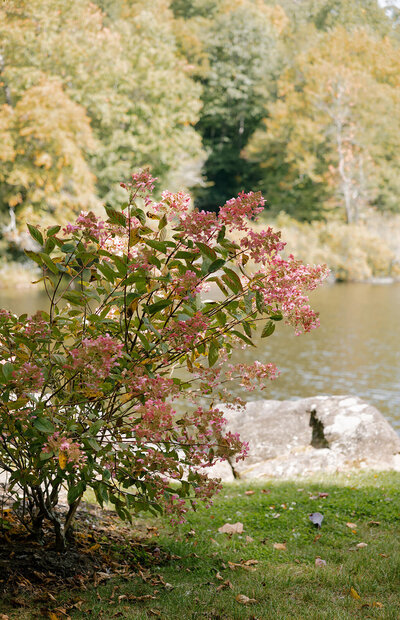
{"type": "Point", "coordinates": [49, 245]}
{"type": "Point", "coordinates": [75, 298]}
{"type": "Point", "coordinates": [53, 230]}
{"type": "Point", "coordinates": [33, 256]}
{"type": "Point", "coordinates": [221, 234]}
{"type": "Point", "coordinates": [107, 272]}
{"type": "Point", "coordinates": [163, 222]}
{"type": "Point", "coordinates": [213, 353]}
{"type": "Point", "coordinates": [161, 246]}
{"type": "Point", "coordinates": [234, 277]}
{"type": "Point", "coordinates": [206, 251]}
{"type": "Point", "coordinates": [260, 302]}
{"type": "Point", "coordinates": [115, 217]}
{"type": "Point", "coordinates": [76, 491]}
{"type": "Point", "coordinates": [268, 329]}
{"type": "Point", "coordinates": [7, 370]}
{"type": "Point", "coordinates": [35, 234]}
{"type": "Point", "coordinates": [49, 263]}
{"type": "Point", "coordinates": [215, 265]}
{"type": "Point", "coordinates": [141, 216]}
{"type": "Point", "coordinates": [230, 283]}
{"type": "Point", "coordinates": [221, 318]}
{"type": "Point", "coordinates": [247, 328]}
{"type": "Point", "coordinates": [159, 305]}
{"type": "Point", "coordinates": [120, 265]}
{"type": "Point", "coordinates": [243, 337]}
{"type": "Point", "coordinates": [68, 247]}
{"type": "Point", "coordinates": [45, 456]}
{"type": "Point", "coordinates": [276, 316]}
{"type": "Point", "coordinates": [44, 425]}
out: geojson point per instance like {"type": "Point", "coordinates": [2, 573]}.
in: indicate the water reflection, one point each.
{"type": "Point", "coordinates": [355, 351]}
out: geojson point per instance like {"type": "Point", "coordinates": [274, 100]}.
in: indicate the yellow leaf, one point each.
{"type": "Point", "coordinates": [134, 237]}
{"type": "Point", "coordinates": [354, 594]}
{"type": "Point", "coordinates": [280, 546]}
{"type": "Point", "coordinates": [377, 604]}
{"type": "Point", "coordinates": [124, 398]}
{"type": "Point", "coordinates": [62, 459]}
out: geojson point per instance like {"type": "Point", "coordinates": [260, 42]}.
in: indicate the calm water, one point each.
{"type": "Point", "coordinates": [355, 351]}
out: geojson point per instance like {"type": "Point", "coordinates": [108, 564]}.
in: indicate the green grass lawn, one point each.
{"type": "Point", "coordinates": [208, 569]}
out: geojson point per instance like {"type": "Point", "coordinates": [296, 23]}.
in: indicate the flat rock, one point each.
{"type": "Point", "coordinates": [321, 434]}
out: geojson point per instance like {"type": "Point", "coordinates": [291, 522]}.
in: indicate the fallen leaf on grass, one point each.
{"type": "Point", "coordinates": [316, 518]}
{"type": "Point", "coordinates": [249, 492]}
{"type": "Point", "coordinates": [248, 565]}
{"type": "Point", "coordinates": [361, 545]}
{"type": "Point", "coordinates": [323, 495]}
{"type": "Point", "coordinates": [320, 562]}
{"type": "Point", "coordinates": [354, 594]}
{"type": "Point", "coordinates": [374, 523]}
{"type": "Point", "coordinates": [352, 526]}
{"type": "Point", "coordinates": [280, 546]}
{"type": "Point", "coordinates": [219, 576]}
{"type": "Point", "coordinates": [266, 491]}
{"type": "Point", "coordinates": [231, 528]}
{"type": "Point", "coordinates": [249, 539]}
{"type": "Point", "coordinates": [377, 604]}
{"type": "Point", "coordinates": [53, 616]}
{"type": "Point", "coordinates": [245, 600]}
{"type": "Point", "coordinates": [226, 584]}
{"type": "Point", "coordinates": [154, 612]}
{"type": "Point", "coordinates": [383, 555]}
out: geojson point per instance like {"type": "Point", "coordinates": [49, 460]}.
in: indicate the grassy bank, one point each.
{"type": "Point", "coordinates": [350, 568]}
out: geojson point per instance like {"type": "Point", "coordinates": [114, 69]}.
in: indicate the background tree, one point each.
{"type": "Point", "coordinates": [121, 71]}
{"type": "Point", "coordinates": [240, 46]}
{"type": "Point", "coordinates": [328, 138]}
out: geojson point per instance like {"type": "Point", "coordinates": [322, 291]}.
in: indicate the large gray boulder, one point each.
{"type": "Point", "coordinates": [302, 437]}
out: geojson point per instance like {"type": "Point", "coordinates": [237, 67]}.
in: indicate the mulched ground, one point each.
{"type": "Point", "coordinates": [102, 548]}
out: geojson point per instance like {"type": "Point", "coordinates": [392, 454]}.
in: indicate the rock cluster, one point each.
{"type": "Point", "coordinates": [302, 437]}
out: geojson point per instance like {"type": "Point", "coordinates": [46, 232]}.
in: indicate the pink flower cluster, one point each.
{"type": "Point", "coordinates": [157, 388]}
{"type": "Point", "coordinates": [90, 225]}
{"type": "Point", "coordinates": [28, 378]}
{"type": "Point", "coordinates": [173, 204]}
{"type": "Point", "coordinates": [237, 211]}
{"type": "Point", "coordinates": [94, 359]}
{"type": "Point", "coordinates": [260, 246]}
{"type": "Point", "coordinates": [187, 284]}
{"type": "Point", "coordinates": [282, 286]}
{"type": "Point", "coordinates": [182, 335]}
{"type": "Point", "coordinates": [252, 375]}
{"type": "Point", "coordinates": [200, 226]}
{"type": "Point", "coordinates": [142, 183]}
{"type": "Point", "coordinates": [60, 444]}
{"type": "Point", "coordinates": [36, 327]}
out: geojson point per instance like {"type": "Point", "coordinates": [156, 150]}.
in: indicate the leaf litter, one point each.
{"type": "Point", "coordinates": [102, 548]}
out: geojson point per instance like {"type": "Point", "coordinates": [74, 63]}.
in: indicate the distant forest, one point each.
{"type": "Point", "coordinates": [299, 99]}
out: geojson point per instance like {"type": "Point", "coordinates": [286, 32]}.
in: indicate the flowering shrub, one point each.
{"type": "Point", "coordinates": [90, 387]}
